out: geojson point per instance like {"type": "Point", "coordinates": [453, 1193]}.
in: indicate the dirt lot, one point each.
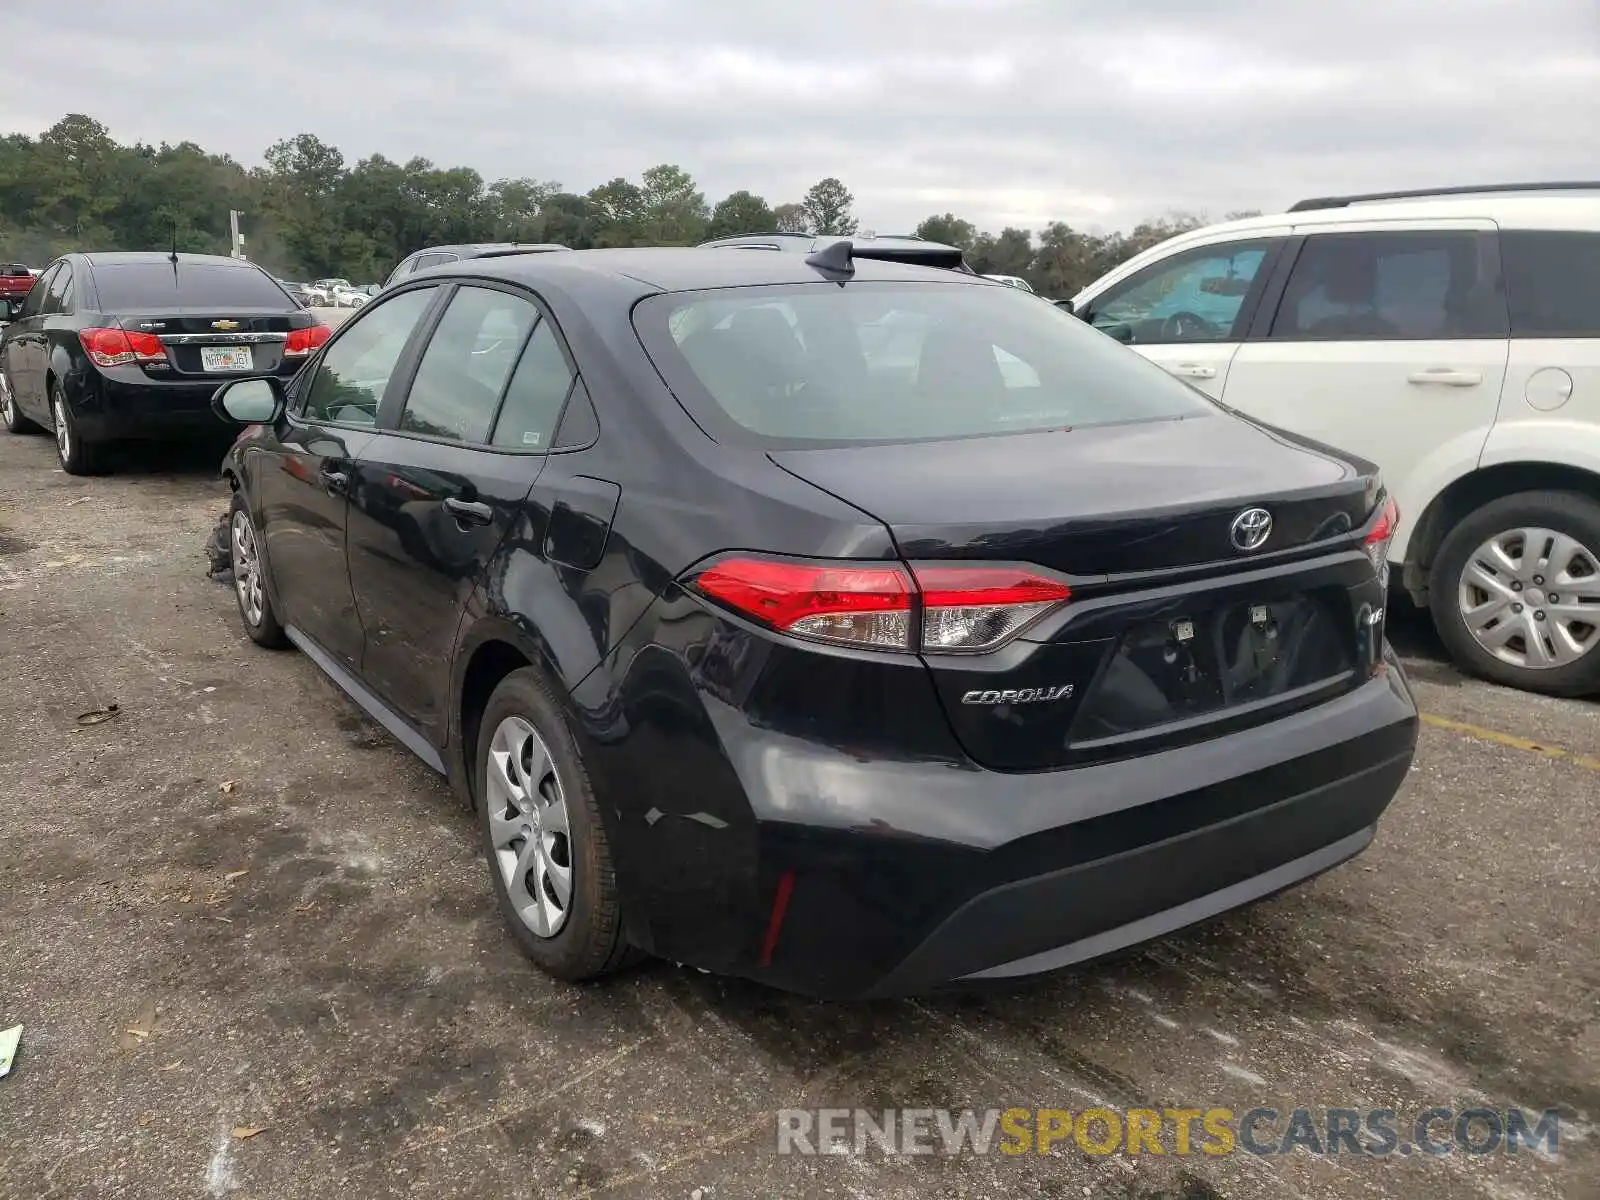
{"type": "Point", "coordinates": [238, 905]}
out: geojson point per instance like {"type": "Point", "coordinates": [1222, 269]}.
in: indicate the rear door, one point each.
{"type": "Point", "coordinates": [1553, 372]}
{"type": "Point", "coordinates": [1188, 312]}
{"type": "Point", "coordinates": [442, 484]}
{"type": "Point", "coordinates": [1388, 341]}
{"type": "Point", "coordinates": [303, 496]}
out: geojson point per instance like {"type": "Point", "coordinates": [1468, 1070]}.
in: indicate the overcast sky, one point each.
{"type": "Point", "coordinates": [1003, 111]}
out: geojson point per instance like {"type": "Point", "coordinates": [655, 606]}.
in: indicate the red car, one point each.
{"type": "Point", "coordinates": [16, 281]}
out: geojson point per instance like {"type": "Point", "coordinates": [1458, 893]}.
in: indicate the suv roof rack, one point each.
{"type": "Point", "coordinates": [1423, 193]}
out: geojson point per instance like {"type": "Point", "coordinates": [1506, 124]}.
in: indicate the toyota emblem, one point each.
{"type": "Point", "coordinates": [1251, 528]}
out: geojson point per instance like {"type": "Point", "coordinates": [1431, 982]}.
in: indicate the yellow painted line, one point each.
{"type": "Point", "coordinates": [1511, 740]}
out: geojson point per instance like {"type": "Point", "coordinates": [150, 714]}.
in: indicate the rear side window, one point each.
{"type": "Point", "coordinates": [191, 285]}
{"type": "Point", "coordinates": [1391, 286]}
{"type": "Point", "coordinates": [466, 364]}
{"type": "Point", "coordinates": [820, 363]}
{"type": "Point", "coordinates": [1552, 283]}
{"type": "Point", "coordinates": [59, 298]}
{"type": "Point", "coordinates": [537, 392]}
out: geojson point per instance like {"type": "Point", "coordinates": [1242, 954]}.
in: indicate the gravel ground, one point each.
{"type": "Point", "coordinates": [237, 905]}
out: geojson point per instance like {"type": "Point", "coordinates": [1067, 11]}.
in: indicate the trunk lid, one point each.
{"type": "Point", "coordinates": [1174, 632]}
{"type": "Point", "coordinates": [1096, 502]}
{"type": "Point", "coordinates": [216, 342]}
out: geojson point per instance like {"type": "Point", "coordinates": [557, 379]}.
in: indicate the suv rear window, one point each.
{"type": "Point", "coordinates": [818, 363]}
{"type": "Point", "coordinates": [192, 285]}
{"type": "Point", "coordinates": [1552, 282]}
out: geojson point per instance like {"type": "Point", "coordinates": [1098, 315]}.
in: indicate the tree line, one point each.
{"type": "Point", "coordinates": [310, 214]}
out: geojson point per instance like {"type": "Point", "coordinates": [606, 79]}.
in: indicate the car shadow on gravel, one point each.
{"type": "Point", "coordinates": [197, 460]}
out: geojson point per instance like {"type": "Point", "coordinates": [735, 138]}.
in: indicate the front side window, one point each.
{"type": "Point", "coordinates": [465, 367]}
{"type": "Point", "coordinates": [1552, 282]}
{"type": "Point", "coordinates": [354, 370]}
{"type": "Point", "coordinates": [1387, 286]}
{"type": "Point", "coordinates": [820, 363]}
{"type": "Point", "coordinates": [1196, 296]}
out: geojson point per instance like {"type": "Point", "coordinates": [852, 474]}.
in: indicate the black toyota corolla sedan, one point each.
{"type": "Point", "coordinates": [853, 626]}
{"type": "Point", "coordinates": [130, 347]}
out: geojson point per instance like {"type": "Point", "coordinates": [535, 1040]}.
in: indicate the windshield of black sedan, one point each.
{"type": "Point", "coordinates": [873, 361]}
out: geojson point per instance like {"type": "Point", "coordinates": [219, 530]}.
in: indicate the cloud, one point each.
{"type": "Point", "coordinates": [1004, 111]}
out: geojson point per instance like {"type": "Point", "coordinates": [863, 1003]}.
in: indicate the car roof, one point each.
{"type": "Point", "coordinates": [672, 269]}
{"type": "Point", "coordinates": [1563, 207]}
{"type": "Point", "coordinates": [808, 241]}
{"type": "Point", "coordinates": [129, 258]}
{"type": "Point", "coordinates": [1575, 207]}
{"type": "Point", "coordinates": [485, 247]}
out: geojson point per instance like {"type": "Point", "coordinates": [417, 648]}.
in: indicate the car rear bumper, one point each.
{"type": "Point", "coordinates": [856, 876]}
{"type": "Point", "coordinates": [123, 405]}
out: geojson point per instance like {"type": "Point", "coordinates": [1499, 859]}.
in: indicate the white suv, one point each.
{"type": "Point", "coordinates": [1452, 337]}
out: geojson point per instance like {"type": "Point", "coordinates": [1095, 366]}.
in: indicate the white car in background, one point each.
{"type": "Point", "coordinates": [1450, 336]}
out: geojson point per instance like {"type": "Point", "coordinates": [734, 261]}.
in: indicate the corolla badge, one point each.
{"type": "Point", "coordinates": [1039, 695]}
{"type": "Point", "coordinates": [1251, 528]}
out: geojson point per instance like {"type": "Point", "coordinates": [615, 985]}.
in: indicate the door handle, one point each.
{"type": "Point", "coordinates": [1193, 371]}
{"type": "Point", "coordinates": [1445, 377]}
{"type": "Point", "coordinates": [333, 478]}
{"type": "Point", "coordinates": [468, 512]}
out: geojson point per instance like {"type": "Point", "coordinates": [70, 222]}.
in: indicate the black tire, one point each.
{"type": "Point", "coordinates": [590, 942]}
{"type": "Point", "coordinates": [1570, 513]}
{"type": "Point", "coordinates": [10, 415]}
{"type": "Point", "coordinates": [76, 456]}
{"type": "Point", "coordinates": [265, 629]}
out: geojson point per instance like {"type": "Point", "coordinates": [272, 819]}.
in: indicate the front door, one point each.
{"type": "Point", "coordinates": [26, 355]}
{"type": "Point", "coordinates": [1187, 313]}
{"type": "Point", "coordinates": [444, 483]}
{"type": "Point", "coordinates": [304, 494]}
{"type": "Point", "coordinates": [1387, 343]}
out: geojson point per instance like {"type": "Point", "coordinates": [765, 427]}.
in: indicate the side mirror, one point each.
{"type": "Point", "coordinates": [249, 401]}
{"type": "Point", "coordinates": [1065, 306]}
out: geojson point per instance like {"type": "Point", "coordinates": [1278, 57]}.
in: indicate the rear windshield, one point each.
{"type": "Point", "coordinates": [14, 270]}
{"type": "Point", "coordinates": [866, 362]}
{"type": "Point", "coordinates": [191, 285]}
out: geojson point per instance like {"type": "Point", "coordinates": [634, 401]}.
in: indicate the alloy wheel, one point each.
{"type": "Point", "coordinates": [1531, 598]}
{"type": "Point", "coordinates": [247, 570]}
{"type": "Point", "coordinates": [58, 410]}
{"type": "Point", "coordinates": [7, 412]}
{"type": "Point", "coordinates": [528, 827]}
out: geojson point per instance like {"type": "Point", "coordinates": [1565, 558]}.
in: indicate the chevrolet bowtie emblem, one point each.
{"type": "Point", "coordinates": [224, 325]}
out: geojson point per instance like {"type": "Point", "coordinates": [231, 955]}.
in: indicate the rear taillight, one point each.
{"type": "Point", "coordinates": [302, 342]}
{"type": "Point", "coordinates": [1380, 535]}
{"type": "Point", "coordinates": [117, 347]}
{"type": "Point", "coordinates": [966, 609]}
{"type": "Point", "coordinates": [958, 609]}
{"type": "Point", "coordinates": [865, 605]}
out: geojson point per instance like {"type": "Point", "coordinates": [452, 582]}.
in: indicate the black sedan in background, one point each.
{"type": "Point", "coordinates": [131, 347]}
{"type": "Point", "coordinates": [854, 626]}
